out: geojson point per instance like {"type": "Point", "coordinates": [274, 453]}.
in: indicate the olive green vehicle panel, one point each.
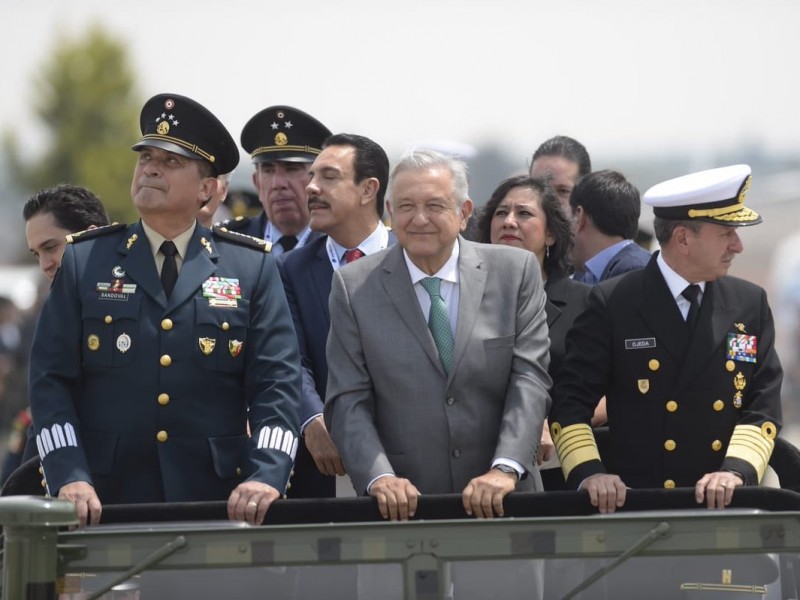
{"type": "Point", "coordinates": [736, 553]}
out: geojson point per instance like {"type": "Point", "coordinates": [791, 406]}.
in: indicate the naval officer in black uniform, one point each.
{"type": "Point", "coordinates": [161, 340]}
{"type": "Point", "coordinates": [684, 355]}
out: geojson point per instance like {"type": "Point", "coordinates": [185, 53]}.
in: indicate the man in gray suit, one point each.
{"type": "Point", "coordinates": [437, 354]}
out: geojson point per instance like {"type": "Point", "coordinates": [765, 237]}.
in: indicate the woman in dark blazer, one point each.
{"type": "Point", "coordinates": [525, 212]}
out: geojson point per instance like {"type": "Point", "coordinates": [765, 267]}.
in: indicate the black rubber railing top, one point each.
{"type": "Point", "coordinates": [446, 506]}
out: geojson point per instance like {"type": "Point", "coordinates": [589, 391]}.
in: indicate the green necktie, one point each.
{"type": "Point", "coordinates": [439, 321]}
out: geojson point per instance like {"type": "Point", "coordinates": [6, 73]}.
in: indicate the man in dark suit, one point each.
{"type": "Point", "coordinates": [346, 198]}
{"type": "Point", "coordinates": [605, 207]}
{"type": "Point", "coordinates": [437, 354]}
{"type": "Point", "coordinates": [683, 353]}
{"type": "Point", "coordinates": [283, 142]}
{"type": "Point", "coordinates": [161, 340]}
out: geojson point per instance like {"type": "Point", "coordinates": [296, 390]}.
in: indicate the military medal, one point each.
{"type": "Point", "coordinates": [123, 342]}
{"type": "Point", "coordinates": [117, 290]}
{"type": "Point", "coordinates": [93, 343]}
{"type": "Point", "coordinates": [739, 382]}
{"type": "Point", "coordinates": [742, 347]}
{"type": "Point", "coordinates": [222, 291]}
{"type": "Point", "coordinates": [207, 345]}
{"type": "Point", "coordinates": [235, 347]}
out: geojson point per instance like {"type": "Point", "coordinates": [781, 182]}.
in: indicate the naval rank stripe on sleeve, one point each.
{"type": "Point", "coordinates": [575, 445]}
{"type": "Point", "coordinates": [56, 437]}
{"type": "Point", "coordinates": [749, 444]}
{"type": "Point", "coordinates": [277, 438]}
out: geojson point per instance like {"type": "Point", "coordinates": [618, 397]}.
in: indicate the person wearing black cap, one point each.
{"type": "Point", "coordinates": [684, 355]}
{"type": "Point", "coordinates": [161, 340]}
{"type": "Point", "coordinates": [282, 142]}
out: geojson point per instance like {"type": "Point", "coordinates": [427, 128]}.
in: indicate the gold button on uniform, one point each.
{"type": "Point", "coordinates": [108, 319]}
{"type": "Point", "coordinates": [730, 365]}
{"type": "Point", "coordinates": [44, 483]}
{"type": "Point", "coordinates": [225, 326]}
{"type": "Point", "coordinates": [669, 484]}
{"type": "Point", "coordinates": [669, 445]}
{"type": "Point", "coordinates": [166, 324]}
{"type": "Point", "coordinates": [163, 399]}
{"type": "Point", "coordinates": [165, 360]}
{"type": "Point", "coordinates": [718, 405]}
{"type": "Point", "coordinates": [672, 406]}
{"type": "Point", "coordinates": [716, 445]}
{"type": "Point", "coordinates": [238, 470]}
{"type": "Point", "coordinates": [162, 436]}
{"type": "Point", "coordinates": [653, 364]}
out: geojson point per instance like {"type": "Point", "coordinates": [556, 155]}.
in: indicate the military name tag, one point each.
{"type": "Point", "coordinates": [743, 348]}
{"type": "Point", "coordinates": [640, 343]}
{"type": "Point", "coordinates": [117, 290]}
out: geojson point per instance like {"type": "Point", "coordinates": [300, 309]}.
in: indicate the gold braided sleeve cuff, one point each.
{"type": "Point", "coordinates": [575, 445]}
{"type": "Point", "coordinates": [753, 444]}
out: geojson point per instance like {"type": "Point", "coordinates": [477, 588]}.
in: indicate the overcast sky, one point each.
{"type": "Point", "coordinates": [625, 77]}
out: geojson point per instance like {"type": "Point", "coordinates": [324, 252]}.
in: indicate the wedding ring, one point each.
{"type": "Point", "coordinates": [252, 503]}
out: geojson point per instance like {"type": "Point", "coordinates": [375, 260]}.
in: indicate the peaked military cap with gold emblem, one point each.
{"type": "Point", "coordinates": [716, 196]}
{"type": "Point", "coordinates": [179, 124]}
{"type": "Point", "coordinates": [283, 133]}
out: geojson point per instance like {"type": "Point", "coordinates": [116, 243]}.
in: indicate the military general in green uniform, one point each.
{"type": "Point", "coordinates": [161, 340]}
{"type": "Point", "coordinates": [684, 354]}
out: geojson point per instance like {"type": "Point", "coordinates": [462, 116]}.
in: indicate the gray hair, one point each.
{"type": "Point", "coordinates": [663, 228]}
{"type": "Point", "coordinates": [420, 158]}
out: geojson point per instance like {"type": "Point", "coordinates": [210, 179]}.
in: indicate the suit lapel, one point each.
{"type": "Point", "coordinates": [397, 284]}
{"type": "Point", "coordinates": [139, 264]}
{"type": "Point", "coordinates": [472, 281]}
{"type": "Point", "coordinates": [556, 296]}
{"type": "Point", "coordinates": [713, 322]}
{"type": "Point", "coordinates": [321, 273]}
{"type": "Point", "coordinates": [198, 265]}
{"type": "Point", "coordinates": [661, 314]}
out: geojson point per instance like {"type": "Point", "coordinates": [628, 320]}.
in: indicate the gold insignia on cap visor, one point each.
{"type": "Point", "coordinates": [283, 133]}
{"type": "Point", "coordinates": [179, 142]}
{"type": "Point", "coordinates": [714, 195]}
{"type": "Point", "coordinates": [184, 126]}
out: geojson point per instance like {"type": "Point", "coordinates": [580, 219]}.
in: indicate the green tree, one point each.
{"type": "Point", "coordinates": [85, 98]}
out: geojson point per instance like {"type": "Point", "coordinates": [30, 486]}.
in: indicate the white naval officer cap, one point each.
{"type": "Point", "coordinates": [715, 195]}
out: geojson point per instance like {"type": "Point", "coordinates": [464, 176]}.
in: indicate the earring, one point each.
{"type": "Point", "coordinates": [547, 250]}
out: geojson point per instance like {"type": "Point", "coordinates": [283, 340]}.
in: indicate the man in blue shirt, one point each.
{"type": "Point", "coordinates": [606, 210]}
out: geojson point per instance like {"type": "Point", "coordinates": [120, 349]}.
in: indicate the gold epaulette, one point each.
{"type": "Point", "coordinates": [88, 234]}
{"type": "Point", "coordinates": [575, 445]}
{"type": "Point", "coordinates": [235, 224]}
{"type": "Point", "coordinates": [241, 239]}
{"type": "Point", "coordinates": [753, 444]}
